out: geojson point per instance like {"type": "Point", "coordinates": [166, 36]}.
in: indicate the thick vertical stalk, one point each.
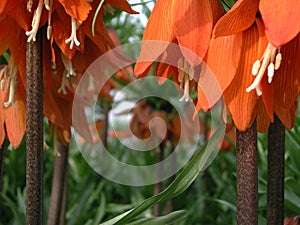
{"type": "Point", "coordinates": [34, 133]}
{"type": "Point", "coordinates": [246, 169]}
{"type": "Point", "coordinates": [275, 199]}
{"type": "Point", "coordinates": [60, 164]}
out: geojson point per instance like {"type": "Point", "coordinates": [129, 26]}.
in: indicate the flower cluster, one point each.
{"type": "Point", "coordinates": [69, 47]}
{"type": "Point", "coordinates": [252, 50]}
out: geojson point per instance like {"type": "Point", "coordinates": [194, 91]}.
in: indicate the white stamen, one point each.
{"type": "Point", "coordinates": [68, 66]}
{"type": "Point", "coordinates": [29, 5]}
{"type": "Point", "coordinates": [278, 61]}
{"type": "Point", "coordinates": [267, 62]}
{"type": "Point", "coordinates": [35, 22]}
{"type": "Point", "coordinates": [186, 95]}
{"type": "Point", "coordinates": [270, 72]}
{"type": "Point", "coordinates": [47, 5]}
{"type": "Point", "coordinates": [49, 28]}
{"type": "Point", "coordinates": [255, 67]}
{"type": "Point", "coordinates": [12, 82]}
{"type": "Point", "coordinates": [62, 87]}
{"type": "Point", "coordinates": [49, 32]}
{"type": "Point", "coordinates": [2, 85]}
{"type": "Point", "coordinates": [73, 38]}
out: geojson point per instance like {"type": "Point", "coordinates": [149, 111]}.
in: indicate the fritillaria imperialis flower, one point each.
{"type": "Point", "coordinates": [67, 39]}
{"type": "Point", "coordinates": [189, 24]}
{"type": "Point", "coordinates": [258, 78]}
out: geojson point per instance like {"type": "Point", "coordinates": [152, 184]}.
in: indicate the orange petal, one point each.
{"type": "Point", "coordinates": [242, 105]}
{"type": "Point", "coordinates": [281, 19]}
{"type": "Point", "coordinates": [287, 81]}
{"type": "Point", "coordinates": [61, 32]}
{"type": "Point", "coordinates": [240, 17]}
{"type": "Point", "coordinates": [78, 9]}
{"type": "Point", "coordinates": [159, 28]}
{"type": "Point", "coordinates": [15, 117]}
{"type": "Point", "coordinates": [192, 25]}
{"type": "Point", "coordinates": [287, 116]}
{"type": "Point", "coordinates": [266, 88]}
{"type": "Point", "coordinates": [165, 71]}
{"type": "Point", "coordinates": [222, 62]}
{"type": "Point", "coordinates": [262, 120]}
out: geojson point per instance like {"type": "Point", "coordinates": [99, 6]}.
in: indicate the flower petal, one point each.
{"type": "Point", "coordinates": [242, 105]}
{"type": "Point", "coordinates": [15, 121]}
{"type": "Point", "coordinates": [192, 25]}
{"type": "Point", "coordinates": [287, 81]}
{"type": "Point", "coordinates": [78, 9]}
{"type": "Point", "coordinates": [222, 62]}
{"type": "Point", "coordinates": [159, 29]}
{"type": "Point", "coordinates": [240, 17]}
{"type": "Point", "coordinates": [281, 19]}
{"type": "Point", "coordinates": [123, 5]}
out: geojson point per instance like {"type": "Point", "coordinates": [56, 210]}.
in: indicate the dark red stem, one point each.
{"type": "Point", "coordinates": [275, 198]}
{"type": "Point", "coordinates": [247, 181]}
{"type": "Point", "coordinates": [34, 133]}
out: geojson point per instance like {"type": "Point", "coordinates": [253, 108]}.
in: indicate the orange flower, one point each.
{"type": "Point", "coordinates": [187, 23]}
{"type": "Point", "coordinates": [71, 40]}
{"type": "Point", "coordinates": [12, 105]}
{"type": "Point", "coordinates": [240, 47]}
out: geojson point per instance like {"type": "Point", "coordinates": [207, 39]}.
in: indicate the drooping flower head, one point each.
{"type": "Point", "coordinates": [258, 79]}
{"type": "Point", "coordinates": [189, 24]}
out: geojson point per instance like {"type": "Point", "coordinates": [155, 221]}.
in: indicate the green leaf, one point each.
{"type": "Point", "coordinates": [101, 210]}
{"type": "Point", "coordinates": [196, 164]}
{"type": "Point", "coordinates": [162, 220]}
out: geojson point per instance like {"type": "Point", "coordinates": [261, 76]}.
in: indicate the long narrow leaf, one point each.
{"type": "Point", "coordinates": [181, 182]}
{"type": "Point", "coordinates": [162, 220]}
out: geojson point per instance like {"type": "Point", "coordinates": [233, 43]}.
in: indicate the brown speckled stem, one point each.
{"type": "Point", "coordinates": [56, 202]}
{"type": "Point", "coordinates": [247, 180]}
{"type": "Point", "coordinates": [34, 133]}
{"type": "Point", "coordinates": [275, 198]}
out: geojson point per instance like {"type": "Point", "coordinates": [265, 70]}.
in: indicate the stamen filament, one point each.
{"type": "Point", "coordinates": [62, 87]}
{"type": "Point", "coordinates": [186, 95]}
{"type": "Point", "coordinates": [12, 83]}
{"type": "Point", "coordinates": [35, 22]}
{"type": "Point", "coordinates": [68, 66]}
{"type": "Point", "coordinates": [47, 4]}
{"type": "Point", "coordinates": [73, 38]}
{"type": "Point", "coordinates": [49, 28]}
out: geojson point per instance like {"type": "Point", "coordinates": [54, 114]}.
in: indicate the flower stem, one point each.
{"type": "Point", "coordinates": [247, 181]}
{"type": "Point", "coordinates": [275, 198]}
{"type": "Point", "coordinates": [34, 132]}
{"type": "Point", "coordinates": [58, 181]}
